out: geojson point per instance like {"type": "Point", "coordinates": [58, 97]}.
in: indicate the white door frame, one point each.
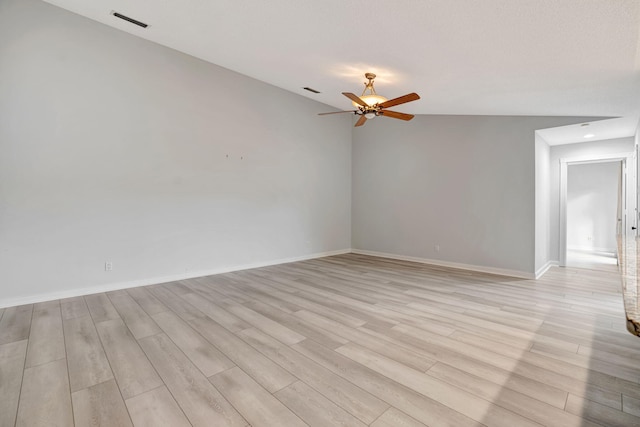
{"type": "Point", "coordinates": [628, 205]}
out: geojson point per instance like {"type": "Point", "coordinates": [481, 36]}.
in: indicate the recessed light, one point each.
{"type": "Point", "coordinates": [584, 124]}
{"type": "Point", "coordinates": [589, 135]}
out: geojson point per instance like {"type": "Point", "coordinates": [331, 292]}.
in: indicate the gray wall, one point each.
{"type": "Point", "coordinates": [592, 206]}
{"type": "Point", "coordinates": [543, 207]}
{"type": "Point", "coordinates": [577, 151]}
{"type": "Point", "coordinates": [465, 183]}
{"type": "Point", "coordinates": [117, 149]}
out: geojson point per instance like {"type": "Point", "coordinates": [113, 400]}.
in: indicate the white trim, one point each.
{"type": "Point", "coordinates": [470, 267]}
{"type": "Point", "coordinates": [599, 158]}
{"type": "Point", "coordinates": [562, 225]}
{"type": "Point", "coordinates": [11, 302]}
{"type": "Point", "coordinates": [540, 272]}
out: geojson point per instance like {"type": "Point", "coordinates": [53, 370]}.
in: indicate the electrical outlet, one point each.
{"type": "Point", "coordinates": [108, 266]}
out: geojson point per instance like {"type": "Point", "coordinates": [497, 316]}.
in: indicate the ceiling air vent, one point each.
{"type": "Point", "coordinates": [133, 21]}
{"type": "Point", "coordinates": [311, 90]}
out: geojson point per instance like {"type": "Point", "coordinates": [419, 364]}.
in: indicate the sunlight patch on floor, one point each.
{"type": "Point", "coordinates": [593, 260]}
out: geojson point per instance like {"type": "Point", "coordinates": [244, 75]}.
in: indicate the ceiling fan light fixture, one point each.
{"type": "Point", "coordinates": [369, 95]}
{"type": "Point", "coordinates": [371, 100]}
{"type": "Point", "coordinates": [371, 105]}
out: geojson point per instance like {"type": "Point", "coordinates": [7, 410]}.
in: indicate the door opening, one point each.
{"type": "Point", "coordinates": [595, 207]}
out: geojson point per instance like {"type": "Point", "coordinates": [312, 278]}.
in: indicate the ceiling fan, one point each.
{"type": "Point", "coordinates": [370, 105]}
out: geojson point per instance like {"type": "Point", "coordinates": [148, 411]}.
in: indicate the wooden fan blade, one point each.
{"type": "Point", "coordinates": [355, 98]}
{"type": "Point", "coordinates": [400, 100]}
{"type": "Point", "coordinates": [396, 115]}
{"type": "Point", "coordinates": [361, 121]}
{"type": "Point", "coordinates": [337, 112]}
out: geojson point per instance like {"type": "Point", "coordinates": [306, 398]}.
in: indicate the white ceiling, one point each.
{"type": "Point", "coordinates": [589, 131]}
{"type": "Point", "coordinates": [489, 57]}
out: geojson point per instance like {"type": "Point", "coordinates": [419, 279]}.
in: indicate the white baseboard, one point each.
{"type": "Point", "coordinates": [69, 293]}
{"type": "Point", "coordinates": [540, 272]}
{"type": "Point", "coordinates": [470, 267]}
{"type": "Point", "coordinates": [12, 302]}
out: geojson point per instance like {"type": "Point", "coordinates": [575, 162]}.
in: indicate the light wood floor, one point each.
{"type": "Point", "coordinates": [348, 340]}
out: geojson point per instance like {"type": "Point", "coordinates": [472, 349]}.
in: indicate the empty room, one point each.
{"type": "Point", "coordinates": [330, 213]}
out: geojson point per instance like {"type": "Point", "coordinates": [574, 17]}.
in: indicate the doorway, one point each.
{"type": "Point", "coordinates": [595, 206]}
{"type": "Point", "coordinates": [594, 198]}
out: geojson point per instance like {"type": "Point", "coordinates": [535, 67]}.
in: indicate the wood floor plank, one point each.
{"type": "Point", "coordinates": [412, 402]}
{"type": "Point", "coordinates": [429, 342]}
{"type": "Point", "coordinates": [225, 284]}
{"type": "Point", "coordinates": [156, 408]}
{"type": "Point", "coordinates": [256, 404]}
{"type": "Point", "coordinates": [612, 353]}
{"type": "Point", "coordinates": [600, 414]}
{"type": "Point", "coordinates": [139, 322]}
{"type": "Point", "coordinates": [356, 401]}
{"type": "Point", "coordinates": [175, 302]}
{"type": "Point", "coordinates": [363, 337]}
{"type": "Point", "coordinates": [286, 293]}
{"type": "Point", "coordinates": [621, 370]}
{"type": "Point", "coordinates": [100, 405]}
{"type": "Point", "coordinates": [315, 409]}
{"type": "Point", "coordinates": [521, 342]}
{"type": "Point", "coordinates": [604, 375]}
{"type": "Point", "coordinates": [326, 338]}
{"type": "Point", "coordinates": [510, 380]}
{"type": "Point", "coordinates": [130, 365]}
{"type": "Point", "coordinates": [395, 418]}
{"type": "Point", "coordinates": [201, 402]}
{"type": "Point", "coordinates": [516, 402]}
{"type": "Point", "coordinates": [73, 307]}
{"type": "Point", "coordinates": [586, 337]}
{"type": "Point", "coordinates": [266, 325]}
{"type": "Point", "coordinates": [504, 317]}
{"type": "Point", "coordinates": [260, 368]}
{"type": "Point", "coordinates": [177, 288]}
{"type": "Point", "coordinates": [203, 354]}
{"type": "Point", "coordinates": [15, 324]}
{"type": "Point", "coordinates": [145, 299]}
{"type": "Point", "coordinates": [555, 357]}
{"type": "Point", "coordinates": [255, 292]}
{"type": "Point", "coordinates": [87, 361]}
{"type": "Point", "coordinates": [216, 312]}
{"type": "Point", "coordinates": [100, 307]}
{"type": "Point", "coordinates": [45, 399]}
{"type": "Point", "coordinates": [455, 398]}
{"type": "Point", "coordinates": [631, 405]}
{"type": "Point", "coordinates": [341, 303]}
{"type": "Point", "coordinates": [46, 339]}
{"type": "Point", "coordinates": [12, 360]}
{"type": "Point", "coordinates": [201, 285]}
{"type": "Point", "coordinates": [438, 311]}
{"type": "Point", "coordinates": [431, 320]}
